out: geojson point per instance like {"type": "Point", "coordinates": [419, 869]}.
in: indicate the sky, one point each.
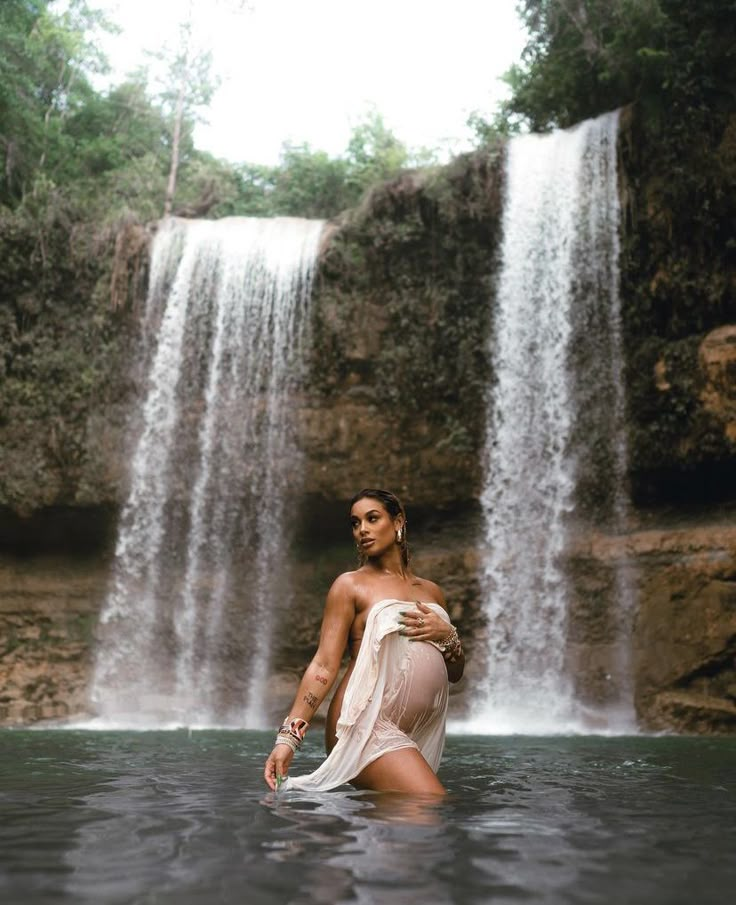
{"type": "Point", "coordinates": [309, 70]}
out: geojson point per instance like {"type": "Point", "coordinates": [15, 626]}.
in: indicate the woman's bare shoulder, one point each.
{"type": "Point", "coordinates": [431, 591]}
{"type": "Point", "coordinates": [345, 583]}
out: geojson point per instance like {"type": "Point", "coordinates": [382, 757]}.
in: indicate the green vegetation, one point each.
{"type": "Point", "coordinates": [583, 57]}
{"type": "Point", "coordinates": [310, 183]}
{"type": "Point", "coordinates": [70, 151]}
{"type": "Point", "coordinates": [82, 170]}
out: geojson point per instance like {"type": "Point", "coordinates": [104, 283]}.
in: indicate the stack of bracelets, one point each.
{"type": "Point", "coordinates": [292, 732]}
{"type": "Point", "coordinates": [450, 647]}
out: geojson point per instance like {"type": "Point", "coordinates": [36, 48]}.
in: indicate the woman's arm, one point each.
{"type": "Point", "coordinates": [320, 675]}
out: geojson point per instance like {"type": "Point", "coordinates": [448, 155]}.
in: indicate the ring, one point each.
{"type": "Point", "coordinates": [420, 621]}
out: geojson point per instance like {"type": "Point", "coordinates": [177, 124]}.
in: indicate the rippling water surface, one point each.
{"type": "Point", "coordinates": [107, 817]}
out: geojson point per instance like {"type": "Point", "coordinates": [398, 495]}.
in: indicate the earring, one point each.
{"type": "Point", "coordinates": [400, 535]}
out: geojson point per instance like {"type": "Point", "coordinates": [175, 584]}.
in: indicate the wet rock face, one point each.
{"type": "Point", "coordinates": [685, 631]}
{"type": "Point", "coordinates": [678, 293]}
{"type": "Point", "coordinates": [681, 656]}
{"type": "Point", "coordinates": [400, 358]}
{"type": "Point", "coordinates": [67, 345]}
{"type": "Point", "coordinates": [395, 398]}
{"type": "Point", "coordinates": [48, 611]}
{"type": "Point", "coordinates": [682, 660]}
{"type": "Point", "coordinates": [717, 357]}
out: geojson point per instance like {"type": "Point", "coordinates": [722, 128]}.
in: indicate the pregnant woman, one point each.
{"type": "Point", "coordinates": [386, 723]}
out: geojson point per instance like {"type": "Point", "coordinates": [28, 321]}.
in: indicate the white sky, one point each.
{"type": "Point", "coordinates": [307, 70]}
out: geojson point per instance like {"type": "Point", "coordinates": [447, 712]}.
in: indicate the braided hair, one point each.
{"type": "Point", "coordinates": [392, 504]}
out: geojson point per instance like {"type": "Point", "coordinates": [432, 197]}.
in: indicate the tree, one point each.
{"type": "Point", "coordinates": [374, 153]}
{"type": "Point", "coordinates": [18, 107]}
{"type": "Point", "coordinates": [45, 60]}
{"type": "Point", "coordinates": [188, 87]}
{"type": "Point", "coordinates": [71, 152]}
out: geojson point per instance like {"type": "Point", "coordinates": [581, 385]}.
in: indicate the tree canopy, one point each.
{"type": "Point", "coordinates": [111, 154]}
{"type": "Point", "coordinates": [119, 153]}
{"type": "Point", "coordinates": [584, 57]}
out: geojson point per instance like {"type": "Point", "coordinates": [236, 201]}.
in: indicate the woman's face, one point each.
{"type": "Point", "coordinates": [374, 530]}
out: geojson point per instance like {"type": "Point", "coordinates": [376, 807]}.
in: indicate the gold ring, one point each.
{"type": "Point", "coordinates": [420, 621]}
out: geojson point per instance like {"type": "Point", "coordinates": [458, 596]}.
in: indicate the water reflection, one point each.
{"type": "Point", "coordinates": [185, 819]}
{"type": "Point", "coordinates": [367, 847]}
{"type": "Point", "coordinates": [170, 818]}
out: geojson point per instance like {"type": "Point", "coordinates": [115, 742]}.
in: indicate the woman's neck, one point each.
{"type": "Point", "coordinates": [391, 564]}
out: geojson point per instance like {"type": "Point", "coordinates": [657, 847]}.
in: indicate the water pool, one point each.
{"type": "Point", "coordinates": [179, 817]}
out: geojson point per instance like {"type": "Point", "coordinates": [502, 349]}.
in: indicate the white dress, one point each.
{"type": "Point", "coordinates": [396, 698]}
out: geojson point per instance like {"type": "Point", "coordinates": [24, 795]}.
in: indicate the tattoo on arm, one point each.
{"type": "Point", "coordinates": [311, 700]}
{"type": "Point", "coordinates": [323, 679]}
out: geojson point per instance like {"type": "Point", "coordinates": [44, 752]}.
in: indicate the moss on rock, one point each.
{"type": "Point", "coordinates": [400, 333]}
{"type": "Point", "coordinates": [64, 364]}
{"type": "Point", "coordinates": [678, 283]}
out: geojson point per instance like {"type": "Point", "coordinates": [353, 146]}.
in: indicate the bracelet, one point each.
{"type": "Point", "coordinates": [450, 647]}
{"type": "Point", "coordinates": [292, 732]}
{"type": "Point", "coordinates": [287, 739]}
{"type": "Point", "coordinates": [296, 726]}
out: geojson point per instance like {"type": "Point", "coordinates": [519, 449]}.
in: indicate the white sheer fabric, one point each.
{"type": "Point", "coordinates": [396, 698]}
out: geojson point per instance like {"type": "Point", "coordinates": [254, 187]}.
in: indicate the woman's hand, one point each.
{"type": "Point", "coordinates": [423, 624]}
{"type": "Point", "coordinates": [277, 765]}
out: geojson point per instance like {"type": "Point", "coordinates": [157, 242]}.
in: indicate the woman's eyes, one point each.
{"type": "Point", "coordinates": [371, 518]}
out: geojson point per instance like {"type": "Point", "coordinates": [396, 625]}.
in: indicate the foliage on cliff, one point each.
{"type": "Point", "coordinates": [678, 271]}
{"type": "Point", "coordinates": [587, 56]}
{"type": "Point", "coordinates": [401, 326]}
{"type": "Point", "coordinates": [64, 359]}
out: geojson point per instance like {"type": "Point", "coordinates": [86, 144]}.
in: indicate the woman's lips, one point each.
{"type": "Point", "coordinates": [367, 542]}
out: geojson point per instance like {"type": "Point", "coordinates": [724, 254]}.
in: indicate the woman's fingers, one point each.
{"type": "Point", "coordinates": [422, 624]}
{"type": "Point", "coordinates": [269, 773]}
{"type": "Point", "coordinates": [277, 766]}
{"type": "Point", "coordinates": [424, 628]}
{"type": "Point", "coordinates": [273, 769]}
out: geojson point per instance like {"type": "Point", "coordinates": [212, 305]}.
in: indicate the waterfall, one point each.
{"type": "Point", "coordinates": [555, 444]}
{"type": "Point", "coordinates": [200, 565]}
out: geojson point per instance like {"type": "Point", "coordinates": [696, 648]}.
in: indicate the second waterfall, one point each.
{"type": "Point", "coordinates": [556, 448]}
{"type": "Point", "coordinates": [199, 565]}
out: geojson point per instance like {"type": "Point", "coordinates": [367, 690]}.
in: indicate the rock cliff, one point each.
{"type": "Point", "coordinates": [399, 375]}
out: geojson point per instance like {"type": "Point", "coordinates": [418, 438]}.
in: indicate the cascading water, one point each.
{"type": "Point", "coordinates": [199, 565]}
{"type": "Point", "coordinates": [555, 427]}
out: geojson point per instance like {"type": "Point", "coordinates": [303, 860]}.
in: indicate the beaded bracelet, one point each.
{"type": "Point", "coordinates": [450, 647]}
{"type": "Point", "coordinates": [286, 738]}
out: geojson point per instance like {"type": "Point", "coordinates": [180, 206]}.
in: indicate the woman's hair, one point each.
{"type": "Point", "coordinates": [392, 504]}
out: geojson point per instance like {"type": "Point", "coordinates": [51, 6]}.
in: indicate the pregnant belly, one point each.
{"type": "Point", "coordinates": [417, 690]}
